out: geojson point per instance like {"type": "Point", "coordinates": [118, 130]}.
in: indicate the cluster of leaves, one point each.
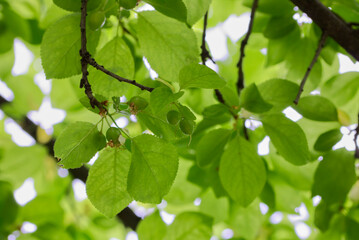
{"type": "Point", "coordinates": [182, 142]}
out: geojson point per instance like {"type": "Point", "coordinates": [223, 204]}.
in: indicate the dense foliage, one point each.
{"type": "Point", "coordinates": [193, 133]}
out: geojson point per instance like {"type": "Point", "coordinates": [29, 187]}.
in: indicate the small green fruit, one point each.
{"type": "Point", "coordinates": [96, 20]}
{"type": "Point", "coordinates": [186, 126]}
{"type": "Point", "coordinates": [113, 134]}
{"type": "Point", "coordinates": [137, 103]}
{"type": "Point", "coordinates": [173, 117]}
{"type": "Point", "coordinates": [127, 4]}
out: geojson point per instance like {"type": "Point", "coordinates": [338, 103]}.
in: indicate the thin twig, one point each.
{"type": "Point", "coordinates": [240, 81]}
{"type": "Point", "coordinates": [356, 136]}
{"type": "Point", "coordinates": [309, 69]}
{"type": "Point", "coordinates": [205, 54]}
{"type": "Point", "coordinates": [84, 56]}
{"type": "Point", "coordinates": [93, 63]}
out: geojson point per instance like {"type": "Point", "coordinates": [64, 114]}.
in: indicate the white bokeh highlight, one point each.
{"type": "Point", "coordinates": [25, 193]}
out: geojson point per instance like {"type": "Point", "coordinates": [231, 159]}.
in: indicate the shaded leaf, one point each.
{"type": "Point", "coordinates": [251, 99]}
{"type": "Point", "coordinates": [190, 226]}
{"type": "Point", "coordinates": [211, 146]}
{"type": "Point", "coordinates": [327, 140]}
{"type": "Point", "coordinates": [152, 227]}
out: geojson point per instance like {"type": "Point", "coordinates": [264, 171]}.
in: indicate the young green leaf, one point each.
{"type": "Point", "coordinates": [152, 227]}
{"type": "Point", "coordinates": [167, 44]}
{"type": "Point", "coordinates": [335, 176]}
{"type": "Point", "coordinates": [327, 140]}
{"type": "Point", "coordinates": [60, 47]}
{"type": "Point", "coordinates": [278, 92]}
{"type": "Point", "coordinates": [196, 10]}
{"type": "Point", "coordinates": [78, 143]}
{"type": "Point", "coordinates": [252, 100]}
{"type": "Point", "coordinates": [199, 76]}
{"type": "Point", "coordinates": [171, 8]}
{"type": "Point", "coordinates": [190, 225]}
{"type": "Point", "coordinates": [288, 138]}
{"type": "Point", "coordinates": [161, 97]}
{"type": "Point", "coordinates": [211, 146]}
{"type": "Point", "coordinates": [242, 171]}
{"type": "Point", "coordinates": [317, 108]}
{"type": "Point", "coordinates": [153, 168]}
{"type": "Point", "coordinates": [117, 58]}
{"type": "Point", "coordinates": [106, 185]}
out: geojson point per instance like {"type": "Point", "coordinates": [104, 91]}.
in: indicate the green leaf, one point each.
{"type": "Point", "coordinates": [78, 143]}
{"type": "Point", "coordinates": [60, 47]}
{"type": "Point", "coordinates": [171, 8]}
{"type": "Point", "coordinates": [199, 76]}
{"type": "Point", "coordinates": [153, 168]}
{"type": "Point", "coordinates": [75, 5]}
{"type": "Point", "coordinates": [15, 165]}
{"type": "Point", "coordinates": [116, 57]}
{"type": "Point", "coordinates": [190, 226]}
{"type": "Point", "coordinates": [8, 206]}
{"type": "Point", "coordinates": [106, 185]}
{"type": "Point", "coordinates": [352, 227]}
{"type": "Point", "coordinates": [335, 176]}
{"type": "Point", "coordinates": [272, 7]}
{"type": "Point", "coordinates": [251, 100]}
{"type": "Point", "coordinates": [152, 227]}
{"type": "Point", "coordinates": [278, 92]}
{"type": "Point", "coordinates": [341, 88]}
{"type": "Point", "coordinates": [43, 209]}
{"type": "Point", "coordinates": [279, 27]}
{"type": "Point", "coordinates": [327, 140]}
{"type": "Point", "coordinates": [323, 215]}
{"type": "Point", "coordinates": [159, 126]}
{"type": "Point", "coordinates": [211, 146]}
{"type": "Point", "coordinates": [242, 171]}
{"type": "Point", "coordinates": [196, 10]}
{"type": "Point", "coordinates": [161, 97]}
{"type": "Point", "coordinates": [167, 44]}
{"type": "Point", "coordinates": [317, 108]}
{"type": "Point", "coordinates": [288, 138]}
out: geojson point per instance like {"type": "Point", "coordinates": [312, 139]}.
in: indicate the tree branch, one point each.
{"type": "Point", "coordinates": [331, 23]}
{"type": "Point", "coordinates": [87, 59]}
{"type": "Point", "coordinates": [93, 63]}
{"type": "Point", "coordinates": [128, 218]}
{"type": "Point", "coordinates": [309, 69]}
{"type": "Point", "coordinates": [84, 56]}
{"type": "Point", "coordinates": [240, 81]}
